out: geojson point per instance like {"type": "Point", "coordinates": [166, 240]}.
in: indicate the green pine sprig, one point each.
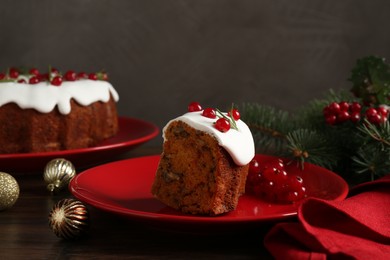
{"type": "Point", "coordinates": [370, 78]}
{"type": "Point", "coordinates": [357, 151]}
{"type": "Point", "coordinates": [230, 119]}
{"type": "Point", "coordinates": [269, 134]}
{"type": "Point", "coordinates": [306, 145]}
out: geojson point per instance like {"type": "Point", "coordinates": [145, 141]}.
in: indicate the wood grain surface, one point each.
{"type": "Point", "coordinates": [25, 232]}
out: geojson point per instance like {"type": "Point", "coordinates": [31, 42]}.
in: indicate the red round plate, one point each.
{"type": "Point", "coordinates": [132, 132]}
{"type": "Point", "coordinates": [123, 187]}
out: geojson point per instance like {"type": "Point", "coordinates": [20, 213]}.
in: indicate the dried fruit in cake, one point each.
{"type": "Point", "coordinates": [203, 168]}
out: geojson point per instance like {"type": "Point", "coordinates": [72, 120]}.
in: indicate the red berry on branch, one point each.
{"type": "Point", "coordinates": [278, 164]}
{"type": "Point", "coordinates": [56, 81]}
{"type": "Point", "coordinates": [34, 71]}
{"type": "Point", "coordinates": [295, 182]}
{"type": "Point", "coordinates": [43, 77]}
{"type": "Point", "coordinates": [82, 75]}
{"type": "Point", "coordinates": [254, 176]}
{"type": "Point", "coordinates": [13, 73]}
{"type": "Point", "coordinates": [21, 81]}
{"type": "Point", "coordinates": [375, 119]}
{"type": "Point", "coordinates": [235, 114]}
{"type": "Point", "coordinates": [383, 111]}
{"type": "Point", "coordinates": [209, 112]}
{"type": "Point", "coordinates": [295, 195]}
{"type": "Point", "coordinates": [258, 189]}
{"type": "Point", "coordinates": [2, 76]}
{"type": "Point", "coordinates": [222, 125]}
{"type": "Point", "coordinates": [344, 106]}
{"type": "Point", "coordinates": [54, 71]}
{"type": "Point", "coordinates": [194, 106]}
{"type": "Point", "coordinates": [355, 107]}
{"type": "Point", "coordinates": [331, 119]}
{"type": "Point", "coordinates": [355, 117]}
{"type": "Point", "coordinates": [92, 76]}
{"type": "Point", "coordinates": [273, 183]}
{"type": "Point", "coordinates": [254, 166]}
{"type": "Point", "coordinates": [326, 111]}
{"type": "Point", "coordinates": [342, 116]}
{"type": "Point", "coordinates": [104, 76]}
{"type": "Point", "coordinates": [266, 189]}
{"type": "Point", "coordinates": [33, 80]}
{"type": "Point", "coordinates": [334, 108]}
{"type": "Point", "coordinates": [292, 196]}
{"type": "Point", "coordinates": [371, 112]}
{"type": "Point", "coordinates": [70, 75]}
{"type": "Point", "coordinates": [269, 172]}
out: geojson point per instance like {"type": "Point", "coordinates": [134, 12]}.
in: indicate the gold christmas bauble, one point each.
{"type": "Point", "coordinates": [9, 191]}
{"type": "Point", "coordinates": [58, 173]}
{"type": "Point", "coordinates": [69, 219]}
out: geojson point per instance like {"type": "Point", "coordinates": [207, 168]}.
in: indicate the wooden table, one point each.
{"type": "Point", "coordinates": [25, 233]}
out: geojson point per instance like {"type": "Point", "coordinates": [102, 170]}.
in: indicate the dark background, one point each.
{"type": "Point", "coordinates": [160, 55]}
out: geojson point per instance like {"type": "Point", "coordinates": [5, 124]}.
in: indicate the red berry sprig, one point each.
{"type": "Point", "coordinates": [194, 107]}
{"type": "Point", "coordinates": [235, 114]}
{"type": "Point", "coordinates": [34, 71]}
{"type": "Point", "coordinates": [33, 80]}
{"type": "Point", "coordinates": [341, 112]}
{"type": "Point", "coordinates": [224, 122]}
{"type": "Point", "coordinates": [13, 73]}
{"type": "Point", "coordinates": [209, 112]}
{"type": "Point", "coordinates": [70, 75]}
{"type": "Point", "coordinates": [53, 76]}
{"type": "Point", "coordinates": [56, 81]}
{"type": "Point", "coordinates": [273, 183]}
{"type": "Point", "coordinates": [377, 115]}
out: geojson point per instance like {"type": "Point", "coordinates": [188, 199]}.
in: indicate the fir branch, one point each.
{"type": "Point", "coordinates": [369, 163]}
{"type": "Point", "coordinates": [269, 127]}
{"type": "Point", "coordinates": [379, 133]}
{"type": "Point", "coordinates": [357, 151]}
{"type": "Point", "coordinates": [370, 78]}
{"type": "Point", "coordinates": [230, 118]}
{"type": "Point", "coordinates": [268, 119]}
{"type": "Point", "coordinates": [311, 116]}
{"type": "Point", "coordinates": [311, 146]}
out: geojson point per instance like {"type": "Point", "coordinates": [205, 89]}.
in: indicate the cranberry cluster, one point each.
{"type": "Point", "coordinates": [54, 77]}
{"type": "Point", "coordinates": [272, 182]}
{"type": "Point", "coordinates": [340, 112]}
{"type": "Point", "coordinates": [224, 122]}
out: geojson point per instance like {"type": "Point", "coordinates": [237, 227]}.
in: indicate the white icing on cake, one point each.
{"type": "Point", "coordinates": [238, 143]}
{"type": "Point", "coordinates": [44, 97]}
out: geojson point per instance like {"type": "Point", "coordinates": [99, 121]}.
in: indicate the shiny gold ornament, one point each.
{"type": "Point", "coordinates": [58, 173]}
{"type": "Point", "coordinates": [9, 191]}
{"type": "Point", "coordinates": [69, 219]}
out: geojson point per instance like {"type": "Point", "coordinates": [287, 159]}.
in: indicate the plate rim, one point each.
{"type": "Point", "coordinates": [154, 132]}
{"type": "Point", "coordinates": [182, 218]}
{"type": "Point", "coordinates": [12, 162]}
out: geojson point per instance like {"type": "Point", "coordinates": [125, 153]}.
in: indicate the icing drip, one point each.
{"type": "Point", "coordinates": [238, 143]}
{"type": "Point", "coordinates": [44, 97]}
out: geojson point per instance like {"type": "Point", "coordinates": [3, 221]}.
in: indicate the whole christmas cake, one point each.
{"type": "Point", "coordinates": [51, 112]}
{"type": "Point", "coordinates": [205, 161]}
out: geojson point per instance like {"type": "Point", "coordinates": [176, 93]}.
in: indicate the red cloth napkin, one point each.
{"type": "Point", "coordinates": [356, 228]}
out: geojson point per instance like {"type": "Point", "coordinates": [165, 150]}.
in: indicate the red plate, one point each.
{"type": "Point", "coordinates": [132, 132]}
{"type": "Point", "coordinates": [123, 187]}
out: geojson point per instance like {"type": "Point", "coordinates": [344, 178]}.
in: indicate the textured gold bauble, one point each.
{"type": "Point", "coordinates": [9, 191]}
{"type": "Point", "coordinates": [69, 219]}
{"type": "Point", "coordinates": [58, 173]}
